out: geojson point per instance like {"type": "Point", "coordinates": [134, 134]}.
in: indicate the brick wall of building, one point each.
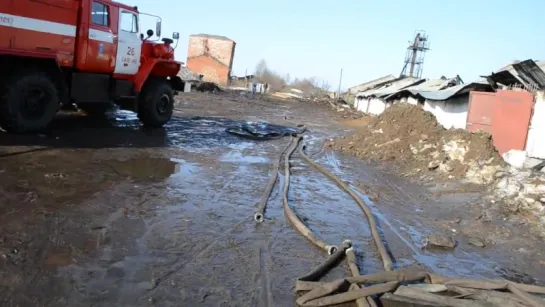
{"type": "Point", "coordinates": [212, 57]}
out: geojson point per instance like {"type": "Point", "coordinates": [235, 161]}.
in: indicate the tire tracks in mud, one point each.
{"type": "Point", "coordinates": [182, 265]}
{"type": "Point", "coordinates": [265, 290]}
{"type": "Point", "coordinates": [206, 249]}
{"type": "Point", "coordinates": [262, 272]}
{"type": "Point", "coordinates": [264, 252]}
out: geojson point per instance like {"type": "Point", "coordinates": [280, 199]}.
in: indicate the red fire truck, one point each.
{"type": "Point", "coordinates": [87, 52]}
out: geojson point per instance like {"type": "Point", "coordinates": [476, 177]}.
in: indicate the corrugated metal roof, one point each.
{"type": "Point", "coordinates": [390, 87]}
{"type": "Point", "coordinates": [453, 91]}
{"type": "Point", "coordinates": [371, 84]}
{"type": "Point", "coordinates": [511, 69]}
{"type": "Point", "coordinates": [431, 85]}
{"type": "Point", "coordinates": [527, 73]}
{"type": "Point", "coordinates": [428, 86]}
{"type": "Point", "coordinates": [530, 72]}
{"type": "Point", "coordinates": [504, 77]}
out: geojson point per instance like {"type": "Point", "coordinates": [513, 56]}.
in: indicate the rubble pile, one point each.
{"type": "Point", "coordinates": [344, 109]}
{"type": "Point", "coordinates": [521, 190]}
{"type": "Point", "coordinates": [417, 144]}
{"type": "Point", "coordinates": [187, 75]}
{"type": "Point", "coordinates": [210, 87]}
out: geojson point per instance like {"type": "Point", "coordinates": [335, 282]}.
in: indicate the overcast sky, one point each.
{"type": "Point", "coordinates": [368, 39]}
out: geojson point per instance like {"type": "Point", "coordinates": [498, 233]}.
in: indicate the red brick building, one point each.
{"type": "Point", "coordinates": [211, 56]}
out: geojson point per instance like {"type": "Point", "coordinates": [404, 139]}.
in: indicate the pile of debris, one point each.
{"type": "Point", "coordinates": [417, 144]}
{"type": "Point", "coordinates": [189, 76]}
{"type": "Point", "coordinates": [210, 87]}
{"type": "Point", "coordinates": [345, 110]}
{"type": "Point", "coordinates": [341, 106]}
{"type": "Point", "coordinates": [521, 188]}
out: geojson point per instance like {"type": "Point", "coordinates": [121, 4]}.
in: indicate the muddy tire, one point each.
{"type": "Point", "coordinates": [156, 103]}
{"type": "Point", "coordinates": [28, 103]}
{"type": "Point", "coordinates": [95, 109]}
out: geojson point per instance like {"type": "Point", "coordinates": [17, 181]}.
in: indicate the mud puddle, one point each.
{"type": "Point", "coordinates": [151, 168]}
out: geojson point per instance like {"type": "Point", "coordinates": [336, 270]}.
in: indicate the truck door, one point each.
{"type": "Point", "coordinates": [102, 48]}
{"type": "Point", "coordinates": [6, 24]}
{"type": "Point", "coordinates": [129, 44]}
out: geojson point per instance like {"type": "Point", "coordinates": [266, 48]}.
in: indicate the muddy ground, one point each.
{"type": "Point", "coordinates": [101, 212]}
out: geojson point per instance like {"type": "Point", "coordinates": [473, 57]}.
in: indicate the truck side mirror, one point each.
{"type": "Point", "coordinates": [158, 28]}
{"type": "Point", "coordinates": [175, 35]}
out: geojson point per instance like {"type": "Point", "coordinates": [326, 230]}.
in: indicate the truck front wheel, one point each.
{"type": "Point", "coordinates": [29, 103]}
{"type": "Point", "coordinates": [156, 103]}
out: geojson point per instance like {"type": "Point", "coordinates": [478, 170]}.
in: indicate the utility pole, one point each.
{"type": "Point", "coordinates": [340, 82]}
{"type": "Point", "coordinates": [246, 78]}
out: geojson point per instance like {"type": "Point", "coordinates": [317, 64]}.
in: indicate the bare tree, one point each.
{"type": "Point", "coordinates": [307, 85]}
{"type": "Point", "coordinates": [287, 78]}
{"type": "Point", "coordinates": [261, 69]}
{"type": "Point", "coordinates": [325, 85]}
{"type": "Point", "coordinates": [311, 86]}
{"type": "Point", "coordinates": [265, 75]}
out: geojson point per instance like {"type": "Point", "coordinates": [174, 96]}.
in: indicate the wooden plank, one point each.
{"type": "Point", "coordinates": [392, 300]}
{"type": "Point", "coordinates": [415, 293]}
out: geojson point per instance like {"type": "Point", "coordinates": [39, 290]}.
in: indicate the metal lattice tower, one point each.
{"type": "Point", "coordinates": [414, 58]}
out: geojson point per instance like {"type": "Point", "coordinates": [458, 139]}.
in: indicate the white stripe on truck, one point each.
{"type": "Point", "coordinates": [44, 26]}
{"type": "Point", "coordinates": [37, 25]}
{"type": "Point", "coordinates": [101, 36]}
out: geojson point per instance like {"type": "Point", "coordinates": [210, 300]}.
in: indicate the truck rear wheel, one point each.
{"type": "Point", "coordinates": [156, 103]}
{"type": "Point", "coordinates": [29, 103]}
{"type": "Point", "coordinates": [95, 109]}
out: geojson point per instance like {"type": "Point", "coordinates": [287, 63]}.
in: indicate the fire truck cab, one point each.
{"type": "Point", "coordinates": [88, 52]}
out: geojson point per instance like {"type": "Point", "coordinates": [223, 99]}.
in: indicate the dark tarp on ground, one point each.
{"type": "Point", "coordinates": [262, 130]}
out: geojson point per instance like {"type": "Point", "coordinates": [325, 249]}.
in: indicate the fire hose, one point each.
{"type": "Point", "coordinates": [292, 217]}
{"type": "Point", "coordinates": [386, 259]}
{"type": "Point", "coordinates": [259, 215]}
{"type": "Point", "coordinates": [332, 261]}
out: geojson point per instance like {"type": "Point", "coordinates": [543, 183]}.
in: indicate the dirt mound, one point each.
{"type": "Point", "coordinates": [208, 87]}
{"type": "Point", "coordinates": [417, 143]}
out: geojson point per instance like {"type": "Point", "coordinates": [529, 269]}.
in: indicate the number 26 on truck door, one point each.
{"type": "Point", "coordinates": [130, 51]}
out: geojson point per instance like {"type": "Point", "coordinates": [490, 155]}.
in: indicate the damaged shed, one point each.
{"type": "Point", "coordinates": [528, 75]}
{"type": "Point", "coordinates": [370, 84]}
{"type": "Point", "coordinates": [373, 101]}
{"type": "Point", "coordinates": [451, 104]}
{"type": "Point", "coordinates": [446, 98]}
{"type": "Point", "coordinates": [190, 78]}
{"type": "Point", "coordinates": [410, 94]}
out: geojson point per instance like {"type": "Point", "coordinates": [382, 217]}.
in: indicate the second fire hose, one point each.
{"type": "Point", "coordinates": [259, 215]}
{"type": "Point", "coordinates": [292, 217]}
{"type": "Point", "coordinates": [386, 259]}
